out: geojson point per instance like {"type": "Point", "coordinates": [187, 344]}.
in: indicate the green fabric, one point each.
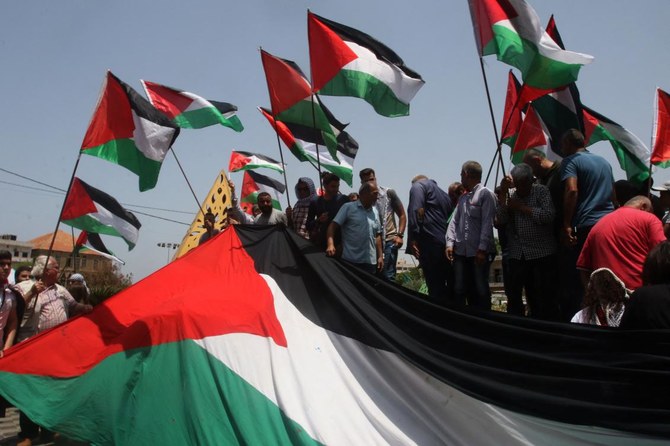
{"type": "Point", "coordinates": [204, 117]}
{"type": "Point", "coordinates": [124, 152]}
{"type": "Point", "coordinates": [92, 224]}
{"type": "Point", "coordinates": [169, 394]}
{"type": "Point", "coordinates": [367, 87]}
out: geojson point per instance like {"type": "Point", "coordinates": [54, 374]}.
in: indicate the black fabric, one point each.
{"type": "Point", "coordinates": [565, 372]}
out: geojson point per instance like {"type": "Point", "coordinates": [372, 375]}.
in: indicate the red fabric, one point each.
{"type": "Point", "coordinates": [531, 133]}
{"type": "Point", "coordinates": [286, 86]}
{"type": "Point", "coordinates": [512, 114]}
{"type": "Point", "coordinates": [621, 241]}
{"type": "Point", "coordinates": [661, 150]}
{"type": "Point", "coordinates": [78, 202]}
{"type": "Point", "coordinates": [484, 14]}
{"type": "Point", "coordinates": [184, 300]}
{"type": "Point", "coordinates": [169, 101]}
{"type": "Point", "coordinates": [113, 118]}
{"type": "Point", "coordinates": [283, 131]}
{"type": "Point", "coordinates": [327, 52]}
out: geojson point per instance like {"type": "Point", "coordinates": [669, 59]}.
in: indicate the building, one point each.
{"type": "Point", "coordinates": [21, 251]}
{"type": "Point", "coordinates": [62, 250]}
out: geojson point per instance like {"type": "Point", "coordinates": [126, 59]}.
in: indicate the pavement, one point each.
{"type": "Point", "coordinates": [9, 429]}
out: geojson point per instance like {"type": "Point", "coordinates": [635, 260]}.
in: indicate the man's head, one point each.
{"type": "Point", "coordinates": [571, 142]}
{"type": "Point", "coordinates": [471, 174]}
{"type": "Point", "coordinates": [331, 185]}
{"type": "Point", "coordinates": [6, 262]}
{"type": "Point", "coordinates": [21, 274]}
{"type": "Point", "coordinates": [419, 178]}
{"type": "Point", "coordinates": [209, 220]}
{"type": "Point", "coordinates": [368, 194]}
{"type": "Point", "coordinates": [656, 268]}
{"type": "Point", "coordinates": [538, 161]}
{"type": "Point", "coordinates": [367, 175]}
{"type": "Point", "coordinates": [640, 202]}
{"type": "Point", "coordinates": [304, 188]}
{"type": "Point", "coordinates": [455, 191]}
{"type": "Point", "coordinates": [47, 272]}
{"type": "Point", "coordinates": [76, 280]}
{"type": "Point", "coordinates": [522, 175]}
{"type": "Point", "coordinates": [265, 203]}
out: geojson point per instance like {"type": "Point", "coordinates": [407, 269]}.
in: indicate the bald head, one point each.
{"type": "Point", "coordinates": [640, 202]}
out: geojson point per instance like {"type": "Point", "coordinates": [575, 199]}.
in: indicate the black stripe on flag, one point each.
{"type": "Point", "coordinates": [223, 107]}
{"type": "Point", "coordinates": [108, 202]}
{"type": "Point", "coordinates": [258, 155]}
{"type": "Point", "coordinates": [266, 181]}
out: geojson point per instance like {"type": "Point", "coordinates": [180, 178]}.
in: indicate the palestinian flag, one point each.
{"type": "Point", "coordinates": [303, 142]}
{"type": "Point", "coordinates": [246, 160]}
{"type": "Point", "coordinates": [292, 99]}
{"type": "Point", "coordinates": [273, 343]}
{"type": "Point", "coordinates": [347, 62]}
{"type": "Point", "coordinates": [661, 142]}
{"type": "Point", "coordinates": [189, 110]}
{"type": "Point", "coordinates": [631, 152]}
{"type": "Point", "coordinates": [92, 243]}
{"type": "Point", "coordinates": [511, 30]}
{"type": "Point", "coordinates": [127, 130]}
{"type": "Point", "coordinates": [513, 116]}
{"type": "Point", "coordinates": [92, 210]}
{"type": "Point", "coordinates": [532, 135]}
{"type": "Point", "coordinates": [254, 183]}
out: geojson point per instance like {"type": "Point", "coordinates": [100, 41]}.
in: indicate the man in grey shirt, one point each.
{"type": "Point", "coordinates": [470, 244]}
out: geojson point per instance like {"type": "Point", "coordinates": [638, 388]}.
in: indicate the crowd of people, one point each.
{"type": "Point", "coordinates": [573, 242]}
{"type": "Point", "coordinates": [32, 301]}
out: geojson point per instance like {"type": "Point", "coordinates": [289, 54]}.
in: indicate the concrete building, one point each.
{"type": "Point", "coordinates": [21, 251]}
{"type": "Point", "coordinates": [85, 263]}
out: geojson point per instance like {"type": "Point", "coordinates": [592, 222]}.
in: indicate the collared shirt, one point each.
{"type": "Point", "coordinates": [360, 228]}
{"type": "Point", "coordinates": [437, 207]}
{"type": "Point", "coordinates": [471, 228]}
{"type": "Point", "coordinates": [530, 236]}
{"type": "Point", "coordinates": [48, 309]}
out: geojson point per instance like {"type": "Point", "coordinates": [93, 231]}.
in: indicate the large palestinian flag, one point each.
{"type": "Point", "coordinates": [347, 62]}
{"type": "Point", "coordinates": [93, 210]}
{"type": "Point", "coordinates": [511, 30]}
{"type": "Point", "coordinates": [127, 130]}
{"type": "Point", "coordinates": [273, 343]}
{"type": "Point", "coordinates": [189, 110]}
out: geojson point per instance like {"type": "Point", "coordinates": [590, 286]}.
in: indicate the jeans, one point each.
{"type": "Point", "coordinates": [472, 282]}
{"type": "Point", "coordinates": [390, 259]}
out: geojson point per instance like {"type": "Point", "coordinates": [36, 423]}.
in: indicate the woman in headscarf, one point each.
{"type": "Point", "coordinates": [604, 300]}
{"type": "Point", "coordinates": [305, 192]}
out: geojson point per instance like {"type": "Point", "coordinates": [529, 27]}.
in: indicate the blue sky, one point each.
{"type": "Point", "coordinates": [55, 55]}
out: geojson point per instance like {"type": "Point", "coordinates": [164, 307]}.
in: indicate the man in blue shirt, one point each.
{"type": "Point", "coordinates": [428, 215]}
{"type": "Point", "coordinates": [588, 196]}
{"type": "Point", "coordinates": [361, 231]}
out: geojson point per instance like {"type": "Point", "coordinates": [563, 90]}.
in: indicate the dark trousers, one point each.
{"type": "Point", "coordinates": [434, 263]}
{"type": "Point", "coordinates": [538, 278]}
{"type": "Point", "coordinates": [571, 289]}
{"type": "Point", "coordinates": [390, 260]}
{"type": "Point", "coordinates": [31, 430]}
{"type": "Point", "coordinates": [472, 282]}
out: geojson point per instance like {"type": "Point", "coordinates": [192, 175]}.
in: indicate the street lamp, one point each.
{"type": "Point", "coordinates": [168, 246]}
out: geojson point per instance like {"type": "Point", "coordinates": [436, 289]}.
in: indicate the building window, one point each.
{"type": "Point", "coordinates": [24, 255]}
{"type": "Point", "coordinates": [95, 264]}
{"type": "Point", "coordinates": [82, 264]}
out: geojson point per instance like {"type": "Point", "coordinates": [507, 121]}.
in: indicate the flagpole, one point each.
{"type": "Point", "coordinates": [187, 181]}
{"type": "Point", "coordinates": [651, 142]}
{"type": "Point", "coordinates": [493, 120]}
{"type": "Point", "coordinates": [281, 157]}
{"type": "Point", "coordinates": [74, 250]}
{"type": "Point", "coordinates": [62, 208]}
{"type": "Point", "coordinates": [318, 157]}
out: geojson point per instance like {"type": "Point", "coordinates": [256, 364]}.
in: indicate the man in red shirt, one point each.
{"type": "Point", "coordinates": [621, 241]}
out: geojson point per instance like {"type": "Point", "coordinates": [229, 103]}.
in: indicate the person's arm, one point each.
{"type": "Point", "coordinates": [399, 210]}
{"type": "Point", "coordinates": [330, 239]}
{"type": "Point", "coordinates": [380, 252]}
{"type": "Point", "coordinates": [570, 194]}
{"type": "Point", "coordinates": [451, 235]}
{"type": "Point", "coordinates": [10, 328]}
{"type": "Point", "coordinates": [488, 215]}
{"type": "Point", "coordinates": [416, 201]}
{"type": "Point", "coordinates": [74, 307]}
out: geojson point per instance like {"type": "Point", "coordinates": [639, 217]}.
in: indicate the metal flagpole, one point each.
{"type": "Point", "coordinates": [187, 181]}
{"type": "Point", "coordinates": [493, 121]}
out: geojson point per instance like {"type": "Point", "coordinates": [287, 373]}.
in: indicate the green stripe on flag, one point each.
{"type": "Point", "coordinates": [124, 152]}
{"type": "Point", "coordinates": [203, 117]}
{"type": "Point", "coordinates": [253, 199]}
{"type": "Point", "coordinates": [537, 70]}
{"type": "Point", "coordinates": [211, 405]}
{"type": "Point", "coordinates": [365, 86]}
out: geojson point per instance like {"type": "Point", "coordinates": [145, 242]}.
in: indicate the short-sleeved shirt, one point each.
{"type": "Point", "coordinates": [594, 184]}
{"type": "Point", "coordinates": [621, 242]}
{"type": "Point", "coordinates": [48, 309]}
{"type": "Point", "coordinates": [359, 227]}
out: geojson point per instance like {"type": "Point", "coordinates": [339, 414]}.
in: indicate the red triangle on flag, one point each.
{"type": "Point", "coordinates": [531, 134]}
{"type": "Point", "coordinates": [286, 86]}
{"type": "Point", "coordinates": [660, 154]}
{"type": "Point", "coordinates": [168, 100]}
{"type": "Point", "coordinates": [327, 52]}
{"type": "Point", "coordinates": [78, 203]}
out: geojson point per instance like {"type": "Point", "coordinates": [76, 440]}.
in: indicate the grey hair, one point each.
{"type": "Point", "coordinates": [473, 168]}
{"type": "Point", "coordinates": [39, 266]}
{"type": "Point", "coordinates": [522, 172]}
